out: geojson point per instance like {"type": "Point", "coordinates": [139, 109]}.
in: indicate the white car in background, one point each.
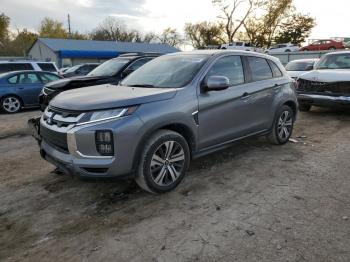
{"type": "Point", "coordinates": [20, 65]}
{"type": "Point", "coordinates": [281, 48]}
{"type": "Point", "coordinates": [242, 46]}
{"type": "Point", "coordinates": [299, 67]}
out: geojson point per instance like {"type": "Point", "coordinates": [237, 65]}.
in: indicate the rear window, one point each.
{"type": "Point", "coordinates": [8, 67]}
{"type": "Point", "coordinates": [260, 68]}
{"type": "Point", "coordinates": [47, 67]}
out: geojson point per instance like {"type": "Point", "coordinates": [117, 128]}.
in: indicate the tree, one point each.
{"type": "Point", "coordinates": [296, 29]}
{"type": "Point", "coordinates": [171, 37]}
{"type": "Point", "coordinates": [4, 29]}
{"type": "Point", "coordinates": [114, 29]}
{"type": "Point", "coordinates": [230, 10]}
{"type": "Point", "coordinates": [50, 28]}
{"type": "Point", "coordinates": [262, 30]}
{"type": "Point", "coordinates": [204, 34]}
{"type": "Point", "coordinates": [22, 42]}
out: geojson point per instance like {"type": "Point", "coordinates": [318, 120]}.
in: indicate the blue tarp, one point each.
{"type": "Point", "coordinates": [87, 54]}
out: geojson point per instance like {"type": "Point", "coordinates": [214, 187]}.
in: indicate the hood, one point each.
{"type": "Point", "coordinates": [109, 96]}
{"type": "Point", "coordinates": [75, 82]}
{"type": "Point", "coordinates": [332, 75]}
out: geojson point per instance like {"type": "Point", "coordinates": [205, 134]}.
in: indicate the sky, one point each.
{"type": "Point", "coordinates": [155, 15]}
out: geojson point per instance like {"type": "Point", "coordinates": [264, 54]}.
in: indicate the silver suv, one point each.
{"type": "Point", "coordinates": [173, 109]}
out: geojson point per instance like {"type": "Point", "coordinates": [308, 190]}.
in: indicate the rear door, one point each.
{"type": "Point", "coordinates": [29, 86]}
{"type": "Point", "coordinates": [260, 93]}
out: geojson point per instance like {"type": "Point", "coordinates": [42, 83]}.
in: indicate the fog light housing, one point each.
{"type": "Point", "coordinates": [104, 142]}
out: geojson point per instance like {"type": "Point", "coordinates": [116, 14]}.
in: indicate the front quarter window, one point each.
{"type": "Point", "coordinates": [173, 71]}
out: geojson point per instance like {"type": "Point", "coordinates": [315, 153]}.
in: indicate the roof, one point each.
{"type": "Point", "coordinates": [73, 46]}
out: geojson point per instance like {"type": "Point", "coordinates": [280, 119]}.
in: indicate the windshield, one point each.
{"type": "Point", "coordinates": [167, 71]}
{"type": "Point", "coordinates": [299, 66]}
{"type": "Point", "coordinates": [110, 67]}
{"type": "Point", "coordinates": [334, 61]}
{"type": "Point", "coordinates": [72, 69]}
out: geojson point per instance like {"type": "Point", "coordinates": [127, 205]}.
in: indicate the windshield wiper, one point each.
{"type": "Point", "coordinates": [142, 85]}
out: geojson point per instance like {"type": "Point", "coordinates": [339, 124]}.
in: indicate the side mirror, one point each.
{"type": "Point", "coordinates": [309, 68]}
{"type": "Point", "coordinates": [216, 83]}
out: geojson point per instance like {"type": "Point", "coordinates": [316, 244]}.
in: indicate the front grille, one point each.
{"type": "Point", "coordinates": [335, 88]}
{"type": "Point", "coordinates": [57, 139]}
{"type": "Point", "coordinates": [55, 125]}
{"type": "Point", "coordinates": [61, 118]}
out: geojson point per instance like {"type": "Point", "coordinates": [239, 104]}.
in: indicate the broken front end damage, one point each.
{"type": "Point", "coordinates": [34, 126]}
{"type": "Point", "coordinates": [323, 93]}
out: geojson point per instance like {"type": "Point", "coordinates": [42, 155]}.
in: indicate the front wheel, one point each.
{"type": "Point", "coordinates": [283, 126]}
{"type": "Point", "coordinates": [11, 104]}
{"type": "Point", "coordinates": [164, 161]}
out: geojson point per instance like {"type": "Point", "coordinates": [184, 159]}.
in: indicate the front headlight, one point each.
{"type": "Point", "coordinates": [98, 116]}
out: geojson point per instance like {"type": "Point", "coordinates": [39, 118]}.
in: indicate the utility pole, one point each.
{"type": "Point", "coordinates": [69, 31]}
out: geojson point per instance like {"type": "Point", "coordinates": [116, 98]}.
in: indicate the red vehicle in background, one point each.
{"type": "Point", "coordinates": [327, 44]}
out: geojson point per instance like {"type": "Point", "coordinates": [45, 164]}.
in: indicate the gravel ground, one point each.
{"type": "Point", "coordinates": [253, 202]}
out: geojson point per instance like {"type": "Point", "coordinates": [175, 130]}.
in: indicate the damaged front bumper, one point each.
{"type": "Point", "coordinates": [323, 100]}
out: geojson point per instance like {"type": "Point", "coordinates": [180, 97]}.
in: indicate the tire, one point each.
{"type": "Point", "coordinates": [305, 50]}
{"type": "Point", "coordinates": [287, 51]}
{"type": "Point", "coordinates": [332, 48]}
{"type": "Point", "coordinates": [283, 126]}
{"type": "Point", "coordinates": [304, 107]}
{"type": "Point", "coordinates": [11, 104]}
{"type": "Point", "coordinates": [157, 172]}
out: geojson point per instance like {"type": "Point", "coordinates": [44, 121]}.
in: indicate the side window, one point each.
{"type": "Point", "coordinates": [47, 67]}
{"type": "Point", "coordinates": [28, 79]}
{"type": "Point", "coordinates": [260, 68]}
{"type": "Point", "coordinates": [47, 78]}
{"type": "Point", "coordinates": [4, 68]}
{"type": "Point", "coordinates": [13, 80]}
{"type": "Point", "coordinates": [229, 66]}
{"type": "Point", "coordinates": [138, 63]}
{"type": "Point", "coordinates": [275, 70]}
{"type": "Point", "coordinates": [21, 66]}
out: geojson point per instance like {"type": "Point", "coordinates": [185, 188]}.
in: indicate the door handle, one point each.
{"type": "Point", "coordinates": [276, 87]}
{"type": "Point", "coordinates": [246, 95]}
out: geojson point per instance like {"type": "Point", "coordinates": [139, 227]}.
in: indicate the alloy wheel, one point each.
{"type": "Point", "coordinates": [11, 104]}
{"type": "Point", "coordinates": [167, 163]}
{"type": "Point", "coordinates": [285, 125]}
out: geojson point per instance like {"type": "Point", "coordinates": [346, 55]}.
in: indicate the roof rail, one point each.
{"type": "Point", "coordinates": [140, 53]}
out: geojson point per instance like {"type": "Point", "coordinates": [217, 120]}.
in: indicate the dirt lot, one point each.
{"type": "Point", "coordinates": [254, 202]}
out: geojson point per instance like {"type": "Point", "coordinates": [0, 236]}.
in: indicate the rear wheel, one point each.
{"type": "Point", "coordinates": [11, 104]}
{"type": "Point", "coordinates": [283, 126]}
{"type": "Point", "coordinates": [332, 48]}
{"type": "Point", "coordinates": [164, 161]}
{"type": "Point", "coordinates": [304, 107]}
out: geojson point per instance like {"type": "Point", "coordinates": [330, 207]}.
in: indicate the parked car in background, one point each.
{"type": "Point", "coordinates": [21, 89]}
{"type": "Point", "coordinates": [280, 48]}
{"type": "Point", "coordinates": [320, 45]}
{"type": "Point", "coordinates": [328, 84]}
{"type": "Point", "coordinates": [62, 70]}
{"type": "Point", "coordinates": [79, 70]}
{"type": "Point", "coordinates": [243, 46]}
{"type": "Point", "coordinates": [111, 72]}
{"type": "Point", "coordinates": [10, 66]}
{"type": "Point", "coordinates": [174, 108]}
{"type": "Point", "coordinates": [298, 67]}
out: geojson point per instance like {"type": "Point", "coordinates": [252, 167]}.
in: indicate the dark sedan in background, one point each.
{"type": "Point", "coordinates": [21, 89]}
{"type": "Point", "coordinates": [110, 72]}
{"type": "Point", "coordinates": [79, 70]}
